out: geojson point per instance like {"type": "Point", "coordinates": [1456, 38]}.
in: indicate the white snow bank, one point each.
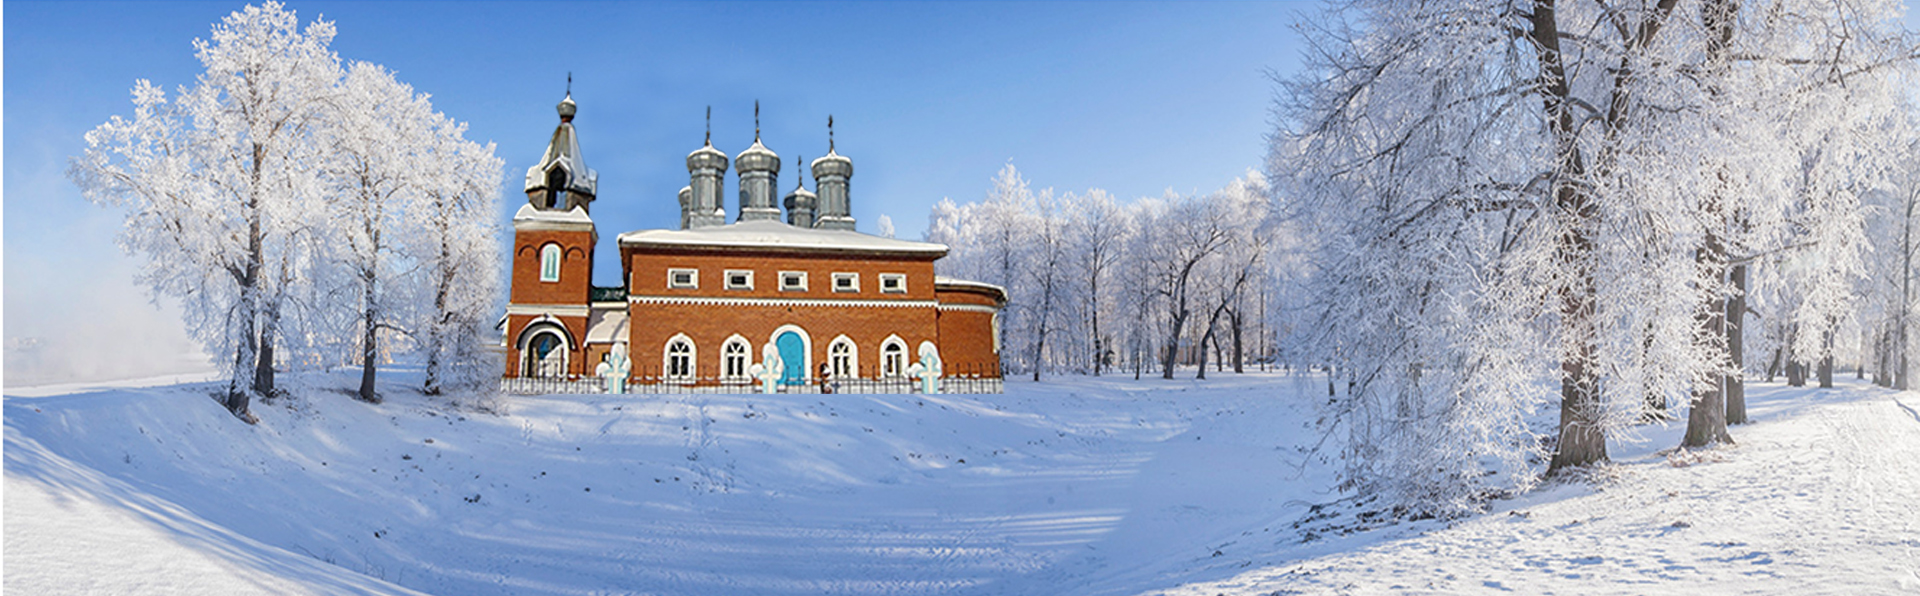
{"type": "Point", "coordinates": [1821, 495]}
{"type": "Point", "coordinates": [1042, 490]}
{"type": "Point", "coordinates": [1074, 486]}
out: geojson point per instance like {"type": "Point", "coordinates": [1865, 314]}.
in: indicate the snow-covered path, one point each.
{"type": "Point", "coordinates": [1820, 496]}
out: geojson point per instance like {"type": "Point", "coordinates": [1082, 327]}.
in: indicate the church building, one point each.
{"type": "Point", "coordinates": [697, 307]}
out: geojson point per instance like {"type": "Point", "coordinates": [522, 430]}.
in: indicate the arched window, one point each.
{"type": "Point", "coordinates": [557, 188]}
{"type": "Point", "coordinates": [842, 359]}
{"type": "Point", "coordinates": [550, 262]}
{"type": "Point", "coordinates": [893, 358]}
{"type": "Point", "coordinates": [733, 359]}
{"type": "Point", "coordinates": [679, 362]}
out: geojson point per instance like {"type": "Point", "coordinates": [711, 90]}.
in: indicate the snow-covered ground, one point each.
{"type": "Point", "coordinates": [1069, 486]}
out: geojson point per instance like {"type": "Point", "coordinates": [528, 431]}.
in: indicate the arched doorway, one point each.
{"type": "Point", "coordinates": [545, 352]}
{"type": "Point", "coordinates": [793, 352]}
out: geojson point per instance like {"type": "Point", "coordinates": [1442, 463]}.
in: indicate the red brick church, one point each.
{"type": "Point", "coordinates": [698, 306]}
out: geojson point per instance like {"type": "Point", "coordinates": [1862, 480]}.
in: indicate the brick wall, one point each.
{"type": "Point", "coordinates": [576, 267]}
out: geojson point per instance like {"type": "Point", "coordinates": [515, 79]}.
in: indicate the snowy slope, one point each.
{"type": "Point", "coordinates": [1045, 489]}
{"type": "Point", "coordinates": [1820, 496]}
{"type": "Point", "coordinates": [1081, 486]}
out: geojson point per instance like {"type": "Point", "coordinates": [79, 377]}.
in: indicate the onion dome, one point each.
{"type": "Point", "coordinates": [801, 205]}
{"type": "Point", "coordinates": [757, 159]}
{"type": "Point", "coordinates": [706, 158]}
{"type": "Point", "coordinates": [832, 165]}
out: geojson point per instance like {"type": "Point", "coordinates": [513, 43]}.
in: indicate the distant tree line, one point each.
{"type": "Point", "coordinates": [1096, 285]}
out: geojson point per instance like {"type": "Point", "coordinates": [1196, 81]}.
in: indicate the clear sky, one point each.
{"type": "Point", "coordinates": [929, 100]}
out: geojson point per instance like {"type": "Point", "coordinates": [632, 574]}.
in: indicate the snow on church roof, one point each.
{"type": "Point", "coordinates": [530, 218]}
{"type": "Point", "coordinates": [775, 235]}
{"type": "Point", "coordinates": [965, 283]}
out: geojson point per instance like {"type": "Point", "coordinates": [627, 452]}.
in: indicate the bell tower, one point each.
{"type": "Point", "coordinates": [553, 240]}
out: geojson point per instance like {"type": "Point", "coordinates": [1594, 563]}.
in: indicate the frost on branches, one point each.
{"type": "Point", "coordinates": [223, 184]}
{"type": "Point", "coordinates": [1094, 284]}
{"type": "Point", "coordinates": [1508, 197]}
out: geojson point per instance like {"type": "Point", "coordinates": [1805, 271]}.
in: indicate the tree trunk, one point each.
{"type": "Point", "coordinates": [1826, 362]}
{"type": "Point", "coordinates": [1736, 346]}
{"type": "Point", "coordinates": [1173, 345]}
{"type": "Point", "coordinates": [239, 392]}
{"type": "Point", "coordinates": [1707, 418]}
{"type": "Point", "coordinates": [1201, 371]}
{"type": "Point", "coordinates": [263, 368]}
{"type": "Point", "coordinates": [1581, 440]}
{"type": "Point", "coordinates": [1655, 402]}
{"type": "Point", "coordinates": [1239, 349]}
{"type": "Point", "coordinates": [1773, 366]}
{"type": "Point", "coordinates": [369, 347]}
{"type": "Point", "coordinates": [1905, 312]}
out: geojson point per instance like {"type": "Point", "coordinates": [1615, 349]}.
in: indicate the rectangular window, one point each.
{"type": "Point", "coordinates": [739, 280]}
{"type": "Point", "coordinates": [793, 281]}
{"type": "Point", "coordinates": [846, 282]}
{"type": "Point", "coordinates": [684, 279]}
{"type": "Point", "coordinates": [893, 283]}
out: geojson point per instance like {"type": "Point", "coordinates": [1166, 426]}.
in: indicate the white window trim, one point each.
{"type": "Point", "coordinates": [854, 282]}
{"type": "Point", "coordinates": [906, 358]}
{"type": "Point", "coordinates": [559, 258]}
{"type": "Point", "coordinates": [746, 355]}
{"type": "Point", "coordinates": [853, 358]}
{"type": "Point", "coordinates": [801, 287]}
{"type": "Point", "coordinates": [693, 275]}
{"type": "Point", "coordinates": [899, 288]}
{"type": "Point", "coordinates": [730, 273]}
{"type": "Point", "coordinates": [693, 360]}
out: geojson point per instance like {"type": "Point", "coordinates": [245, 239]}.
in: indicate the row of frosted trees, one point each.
{"type": "Point", "coordinates": [1613, 210]}
{"type": "Point", "coordinates": [1142, 286]}
{"type": "Point", "coordinates": [304, 211]}
{"type": "Point", "coordinates": [1475, 212]}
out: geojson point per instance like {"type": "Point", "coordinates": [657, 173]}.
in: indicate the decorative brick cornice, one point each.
{"type": "Point", "coordinates": [779, 302]}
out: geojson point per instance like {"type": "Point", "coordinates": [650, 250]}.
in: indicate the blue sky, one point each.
{"type": "Point", "coordinates": [930, 100]}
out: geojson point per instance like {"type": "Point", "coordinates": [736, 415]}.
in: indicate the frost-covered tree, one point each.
{"type": "Point", "coordinates": [1888, 288]}
{"type": "Point", "coordinates": [288, 203]}
{"type": "Point", "coordinates": [1097, 229]}
{"type": "Point", "coordinates": [1174, 244]}
{"type": "Point", "coordinates": [1043, 276]}
{"type": "Point", "coordinates": [217, 186]}
{"type": "Point", "coordinates": [1227, 277]}
{"type": "Point", "coordinates": [1499, 186]}
{"type": "Point", "coordinates": [458, 251]}
{"type": "Point", "coordinates": [376, 141]}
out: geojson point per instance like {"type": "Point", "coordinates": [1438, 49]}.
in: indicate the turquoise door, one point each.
{"type": "Point", "coordinates": [793, 352]}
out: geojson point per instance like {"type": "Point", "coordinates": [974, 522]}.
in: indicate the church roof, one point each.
{"type": "Point", "coordinates": [564, 149]}
{"type": "Point", "coordinates": [777, 236]}
{"type": "Point", "coordinates": [530, 218]}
